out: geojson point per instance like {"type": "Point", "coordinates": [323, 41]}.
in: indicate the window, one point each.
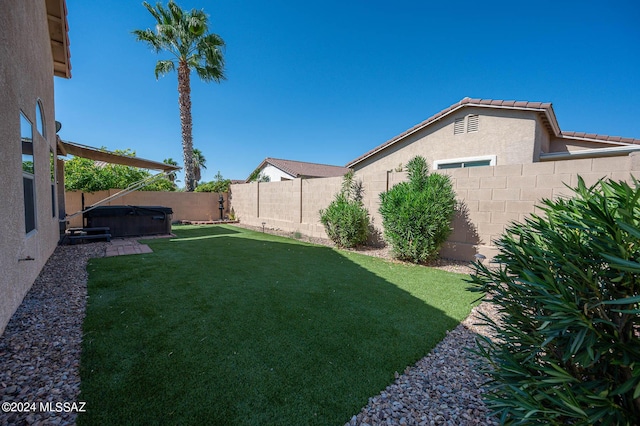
{"type": "Point", "coordinates": [40, 119]}
{"type": "Point", "coordinates": [52, 167]}
{"type": "Point", "coordinates": [28, 172]}
{"type": "Point", "coordinates": [458, 163]}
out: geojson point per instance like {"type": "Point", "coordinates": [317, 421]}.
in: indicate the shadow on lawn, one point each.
{"type": "Point", "coordinates": [202, 231]}
{"type": "Point", "coordinates": [249, 331]}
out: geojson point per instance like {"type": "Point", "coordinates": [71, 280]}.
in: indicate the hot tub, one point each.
{"type": "Point", "coordinates": [131, 221]}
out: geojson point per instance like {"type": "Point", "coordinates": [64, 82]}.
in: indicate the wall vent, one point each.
{"type": "Point", "coordinates": [472, 123]}
{"type": "Point", "coordinates": [458, 126]}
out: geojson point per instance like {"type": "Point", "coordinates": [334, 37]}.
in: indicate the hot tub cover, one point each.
{"type": "Point", "coordinates": [108, 211]}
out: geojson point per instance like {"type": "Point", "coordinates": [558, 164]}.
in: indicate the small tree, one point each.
{"type": "Point", "coordinates": [416, 215]}
{"type": "Point", "coordinates": [220, 184]}
{"type": "Point", "coordinates": [346, 220]}
{"type": "Point", "coordinates": [568, 288]}
{"type": "Point", "coordinates": [258, 176]}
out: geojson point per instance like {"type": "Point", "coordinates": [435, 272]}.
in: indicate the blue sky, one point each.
{"type": "Point", "coordinates": [327, 81]}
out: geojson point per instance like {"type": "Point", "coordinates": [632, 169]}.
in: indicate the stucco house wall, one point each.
{"type": "Point", "coordinates": [509, 135]}
{"type": "Point", "coordinates": [26, 77]}
{"type": "Point", "coordinates": [275, 174]}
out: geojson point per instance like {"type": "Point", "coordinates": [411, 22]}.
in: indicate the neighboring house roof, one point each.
{"type": "Point", "coordinates": [304, 169]}
{"type": "Point", "coordinates": [59, 35]}
{"type": "Point", "coordinates": [545, 109]}
{"type": "Point", "coordinates": [598, 138]}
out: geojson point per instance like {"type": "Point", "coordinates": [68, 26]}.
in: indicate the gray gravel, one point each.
{"type": "Point", "coordinates": [443, 388]}
{"type": "Point", "coordinates": [40, 354]}
{"type": "Point", "coordinates": [40, 347]}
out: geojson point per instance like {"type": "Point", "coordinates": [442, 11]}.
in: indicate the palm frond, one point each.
{"type": "Point", "coordinates": [149, 37]}
{"type": "Point", "coordinates": [153, 11]}
{"type": "Point", "coordinates": [164, 67]}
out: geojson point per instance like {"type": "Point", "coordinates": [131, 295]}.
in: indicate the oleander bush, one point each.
{"type": "Point", "coordinates": [346, 220]}
{"type": "Point", "coordinates": [416, 215]}
{"type": "Point", "coordinates": [568, 285]}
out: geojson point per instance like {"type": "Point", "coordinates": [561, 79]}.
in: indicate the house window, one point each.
{"type": "Point", "coordinates": [458, 163]}
{"type": "Point", "coordinates": [40, 119]}
{"type": "Point", "coordinates": [28, 173]}
{"type": "Point", "coordinates": [52, 167]}
{"type": "Point", "coordinates": [472, 122]}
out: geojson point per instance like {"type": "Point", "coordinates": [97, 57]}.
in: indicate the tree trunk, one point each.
{"type": "Point", "coordinates": [184, 99]}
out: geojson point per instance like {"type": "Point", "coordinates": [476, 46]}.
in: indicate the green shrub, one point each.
{"type": "Point", "coordinates": [346, 220]}
{"type": "Point", "coordinates": [568, 346]}
{"type": "Point", "coordinates": [416, 215]}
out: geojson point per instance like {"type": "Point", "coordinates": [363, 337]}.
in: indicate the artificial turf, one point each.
{"type": "Point", "coordinates": [225, 326]}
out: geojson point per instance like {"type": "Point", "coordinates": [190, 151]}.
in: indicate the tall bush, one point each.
{"type": "Point", "coordinates": [346, 220]}
{"type": "Point", "coordinates": [567, 349]}
{"type": "Point", "coordinates": [416, 215]}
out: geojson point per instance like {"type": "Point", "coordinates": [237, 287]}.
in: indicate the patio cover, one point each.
{"type": "Point", "coordinates": [84, 151]}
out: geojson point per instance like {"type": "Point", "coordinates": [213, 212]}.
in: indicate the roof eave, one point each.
{"type": "Point", "coordinates": [59, 37]}
{"type": "Point", "coordinates": [590, 153]}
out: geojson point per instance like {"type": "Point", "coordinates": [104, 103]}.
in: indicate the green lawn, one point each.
{"type": "Point", "coordinates": [225, 326]}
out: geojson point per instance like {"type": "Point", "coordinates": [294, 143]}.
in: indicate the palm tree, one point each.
{"type": "Point", "coordinates": [172, 175]}
{"type": "Point", "coordinates": [184, 34]}
{"type": "Point", "coordinates": [198, 163]}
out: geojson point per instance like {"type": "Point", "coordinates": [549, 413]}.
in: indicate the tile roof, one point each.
{"type": "Point", "coordinates": [596, 137]}
{"type": "Point", "coordinates": [544, 108]}
{"type": "Point", "coordinates": [304, 169]}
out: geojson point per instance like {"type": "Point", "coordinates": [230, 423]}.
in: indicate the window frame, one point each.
{"type": "Point", "coordinates": [462, 161]}
{"type": "Point", "coordinates": [52, 165]}
{"type": "Point", "coordinates": [29, 191]}
{"type": "Point", "coordinates": [40, 119]}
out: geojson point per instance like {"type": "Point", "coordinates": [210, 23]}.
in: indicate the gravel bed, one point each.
{"type": "Point", "coordinates": [40, 347]}
{"type": "Point", "coordinates": [40, 354]}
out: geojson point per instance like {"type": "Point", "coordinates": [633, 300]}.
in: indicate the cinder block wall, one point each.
{"type": "Point", "coordinates": [490, 197]}
{"type": "Point", "coordinates": [200, 206]}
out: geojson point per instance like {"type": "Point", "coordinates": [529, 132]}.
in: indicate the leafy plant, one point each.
{"type": "Point", "coordinates": [220, 184]}
{"type": "Point", "coordinates": [346, 220]}
{"type": "Point", "coordinates": [568, 288]}
{"type": "Point", "coordinates": [416, 215]}
{"type": "Point", "coordinates": [258, 176]}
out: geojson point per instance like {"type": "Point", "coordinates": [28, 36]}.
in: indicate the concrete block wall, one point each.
{"type": "Point", "coordinates": [490, 198]}
{"type": "Point", "coordinates": [494, 197]}
{"type": "Point", "coordinates": [197, 206]}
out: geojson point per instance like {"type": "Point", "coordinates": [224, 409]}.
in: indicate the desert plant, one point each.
{"type": "Point", "coordinates": [567, 347]}
{"type": "Point", "coordinates": [346, 220]}
{"type": "Point", "coordinates": [416, 215]}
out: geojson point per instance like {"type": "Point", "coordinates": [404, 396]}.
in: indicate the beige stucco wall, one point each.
{"type": "Point", "coordinates": [26, 75]}
{"type": "Point", "coordinates": [510, 135]}
{"type": "Point", "coordinates": [193, 206]}
{"type": "Point", "coordinates": [275, 174]}
{"type": "Point", "coordinates": [490, 198]}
